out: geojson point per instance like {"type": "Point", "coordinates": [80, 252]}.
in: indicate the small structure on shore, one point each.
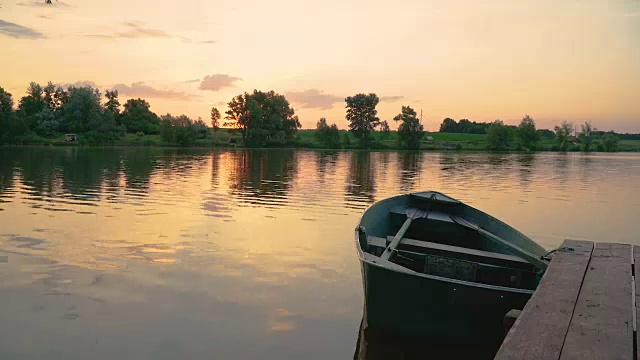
{"type": "Point", "coordinates": [70, 137]}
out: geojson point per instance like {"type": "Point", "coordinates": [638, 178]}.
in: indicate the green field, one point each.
{"type": "Point", "coordinates": [306, 139]}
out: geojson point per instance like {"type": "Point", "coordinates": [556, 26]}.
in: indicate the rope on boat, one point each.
{"type": "Point", "coordinates": [548, 256]}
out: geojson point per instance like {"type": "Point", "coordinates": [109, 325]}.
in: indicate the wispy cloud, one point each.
{"type": "Point", "coordinates": [314, 99]}
{"type": "Point", "coordinates": [634, 14]}
{"type": "Point", "coordinates": [42, 3]}
{"type": "Point", "coordinates": [45, 17]}
{"type": "Point", "coordinates": [133, 30]}
{"type": "Point", "coordinates": [208, 42]}
{"type": "Point", "coordinates": [83, 83]}
{"type": "Point", "coordinates": [391, 98]}
{"type": "Point", "coordinates": [19, 31]}
{"type": "Point", "coordinates": [217, 82]}
{"type": "Point", "coordinates": [190, 81]}
{"type": "Point", "coordinates": [141, 90]}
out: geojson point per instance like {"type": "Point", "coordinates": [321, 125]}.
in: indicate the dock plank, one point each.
{"type": "Point", "coordinates": [602, 324]}
{"type": "Point", "coordinates": [539, 331]}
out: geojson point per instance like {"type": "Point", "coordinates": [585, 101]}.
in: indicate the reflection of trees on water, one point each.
{"type": "Point", "coordinates": [7, 165]}
{"type": "Point", "coordinates": [259, 175]}
{"type": "Point", "coordinates": [361, 182]}
{"type": "Point", "coordinates": [410, 167]}
{"type": "Point", "coordinates": [527, 165]}
{"type": "Point", "coordinates": [74, 172]}
{"type": "Point", "coordinates": [138, 168]}
{"type": "Point", "coordinates": [215, 169]}
{"type": "Point", "coordinates": [325, 161]}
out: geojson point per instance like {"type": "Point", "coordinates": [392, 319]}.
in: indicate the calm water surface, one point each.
{"type": "Point", "coordinates": [168, 254]}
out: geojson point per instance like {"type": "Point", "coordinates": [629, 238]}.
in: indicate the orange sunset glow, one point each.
{"type": "Point", "coordinates": [480, 60]}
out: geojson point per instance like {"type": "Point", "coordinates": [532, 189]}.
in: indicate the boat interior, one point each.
{"type": "Point", "coordinates": [443, 244]}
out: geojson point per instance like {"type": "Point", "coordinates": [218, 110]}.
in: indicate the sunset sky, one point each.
{"type": "Point", "coordinates": [482, 60]}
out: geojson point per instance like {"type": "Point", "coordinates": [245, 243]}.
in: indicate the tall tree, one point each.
{"type": "Point", "coordinates": [82, 112]}
{"type": "Point", "coordinates": [112, 104]}
{"type": "Point", "coordinates": [6, 110]}
{"type": "Point", "coordinates": [137, 116]}
{"type": "Point", "coordinates": [586, 135]}
{"type": "Point", "coordinates": [30, 105]}
{"type": "Point", "coordinates": [362, 116]}
{"type": "Point", "coordinates": [50, 96]}
{"type": "Point", "coordinates": [527, 133]}
{"type": "Point", "coordinates": [498, 136]}
{"type": "Point", "coordinates": [215, 119]}
{"type": "Point", "coordinates": [384, 129]}
{"type": "Point", "coordinates": [562, 134]}
{"type": "Point", "coordinates": [410, 131]}
{"type": "Point", "coordinates": [263, 118]}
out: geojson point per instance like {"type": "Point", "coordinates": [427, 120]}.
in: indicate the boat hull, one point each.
{"type": "Point", "coordinates": [422, 305]}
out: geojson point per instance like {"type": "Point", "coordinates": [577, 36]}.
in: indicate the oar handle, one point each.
{"type": "Point", "coordinates": [396, 239]}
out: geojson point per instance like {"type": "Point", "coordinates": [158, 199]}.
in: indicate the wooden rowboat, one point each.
{"type": "Point", "coordinates": [433, 266]}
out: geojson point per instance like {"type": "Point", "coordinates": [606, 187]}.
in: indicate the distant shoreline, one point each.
{"type": "Point", "coordinates": [306, 139]}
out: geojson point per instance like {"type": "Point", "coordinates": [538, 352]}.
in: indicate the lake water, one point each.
{"type": "Point", "coordinates": [170, 254]}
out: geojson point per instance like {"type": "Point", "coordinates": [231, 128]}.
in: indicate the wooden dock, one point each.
{"type": "Point", "coordinates": [584, 308]}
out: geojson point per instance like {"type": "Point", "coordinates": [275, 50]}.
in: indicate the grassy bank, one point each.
{"type": "Point", "coordinates": [307, 139]}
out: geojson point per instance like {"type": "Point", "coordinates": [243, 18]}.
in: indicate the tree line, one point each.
{"type": "Point", "coordinates": [262, 119]}
{"type": "Point", "coordinates": [566, 136]}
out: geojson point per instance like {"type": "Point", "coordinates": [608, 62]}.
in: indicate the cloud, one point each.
{"type": "Point", "coordinates": [391, 98]}
{"type": "Point", "coordinates": [314, 99]}
{"type": "Point", "coordinates": [139, 89]}
{"type": "Point", "coordinates": [45, 17]}
{"type": "Point", "coordinates": [217, 82]}
{"type": "Point", "coordinates": [221, 103]}
{"type": "Point", "coordinates": [80, 84]}
{"type": "Point", "coordinates": [42, 3]}
{"type": "Point", "coordinates": [133, 30]}
{"type": "Point", "coordinates": [208, 42]}
{"type": "Point", "coordinates": [636, 14]}
{"type": "Point", "coordinates": [19, 31]}
{"type": "Point", "coordinates": [190, 81]}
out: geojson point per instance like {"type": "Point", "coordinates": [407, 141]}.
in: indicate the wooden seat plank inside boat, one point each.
{"type": "Point", "coordinates": [487, 257]}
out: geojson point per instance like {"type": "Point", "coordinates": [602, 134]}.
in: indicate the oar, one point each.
{"type": "Point", "coordinates": [533, 259]}
{"type": "Point", "coordinates": [412, 214]}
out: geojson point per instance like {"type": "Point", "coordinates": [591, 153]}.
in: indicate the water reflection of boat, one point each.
{"type": "Point", "coordinates": [433, 266]}
{"type": "Point", "coordinates": [378, 344]}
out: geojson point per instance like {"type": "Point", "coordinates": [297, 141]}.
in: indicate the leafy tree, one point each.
{"type": "Point", "coordinates": [410, 131]}
{"type": "Point", "coordinates": [527, 133]}
{"type": "Point", "coordinates": [112, 103]}
{"type": "Point", "coordinates": [384, 129]}
{"type": "Point", "coordinates": [448, 125]}
{"type": "Point", "coordinates": [179, 130]}
{"type": "Point", "coordinates": [586, 135]}
{"type": "Point", "coordinates": [50, 96]}
{"type": "Point", "coordinates": [329, 136]}
{"type": "Point", "coordinates": [610, 142]}
{"type": "Point", "coordinates": [263, 118]}
{"type": "Point", "coordinates": [6, 111]}
{"type": "Point", "coordinates": [215, 119]}
{"type": "Point", "coordinates": [498, 136]}
{"type": "Point", "coordinates": [33, 102]}
{"type": "Point", "coordinates": [82, 109]}
{"type": "Point", "coordinates": [137, 116]}
{"type": "Point", "coordinates": [200, 128]}
{"type": "Point", "coordinates": [361, 114]}
{"type": "Point", "coordinates": [562, 134]}
{"type": "Point", "coordinates": [46, 121]}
